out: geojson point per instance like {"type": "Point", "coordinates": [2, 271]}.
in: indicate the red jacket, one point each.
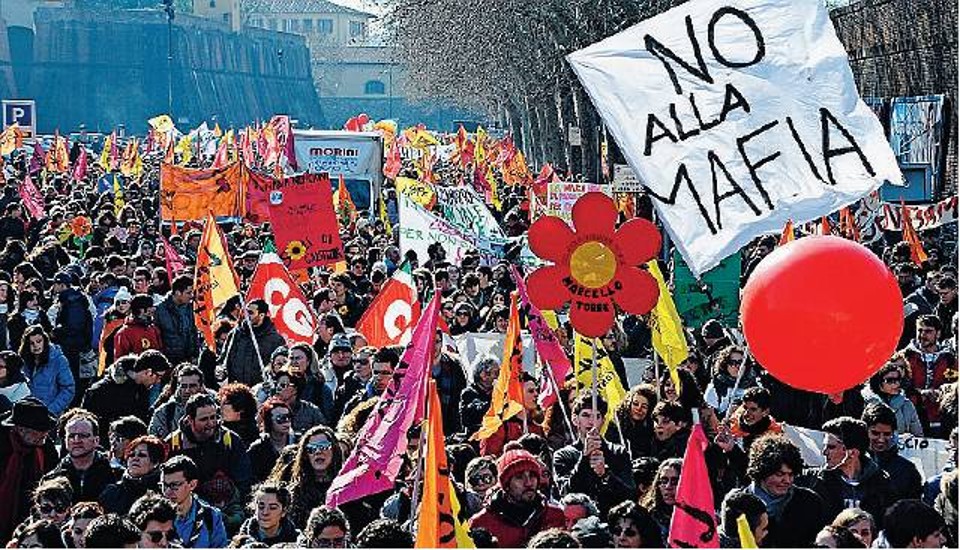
{"type": "Point", "coordinates": [514, 525]}
{"type": "Point", "coordinates": [511, 430]}
{"type": "Point", "coordinates": [134, 337]}
{"type": "Point", "coordinates": [941, 370]}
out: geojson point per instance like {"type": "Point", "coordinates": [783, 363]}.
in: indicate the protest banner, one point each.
{"type": "Point", "coordinates": [923, 216]}
{"type": "Point", "coordinates": [420, 228]}
{"type": "Point", "coordinates": [464, 208]}
{"type": "Point", "coordinates": [927, 454]}
{"type": "Point", "coordinates": [562, 195]}
{"type": "Point", "coordinates": [187, 194]}
{"type": "Point", "coordinates": [716, 295]}
{"type": "Point", "coordinates": [739, 128]}
{"type": "Point", "coordinates": [257, 202]}
{"type": "Point", "coordinates": [303, 221]}
{"type": "Point", "coordinates": [421, 193]}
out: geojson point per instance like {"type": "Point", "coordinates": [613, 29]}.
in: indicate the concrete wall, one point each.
{"type": "Point", "coordinates": [106, 68]}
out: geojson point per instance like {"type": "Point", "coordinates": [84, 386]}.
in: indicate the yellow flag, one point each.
{"type": "Point", "coordinates": [162, 123]}
{"type": "Point", "coordinates": [217, 132]}
{"type": "Point", "coordinates": [215, 281]}
{"type": "Point", "coordinates": [507, 400]}
{"type": "Point", "coordinates": [479, 155]}
{"type": "Point", "coordinates": [666, 328]}
{"type": "Point", "coordinates": [387, 226]}
{"type": "Point", "coordinates": [609, 386]}
{"type": "Point", "coordinates": [105, 154]}
{"type": "Point", "coordinates": [494, 193]}
{"type": "Point", "coordinates": [185, 149]}
{"type": "Point", "coordinates": [422, 193]}
{"type": "Point", "coordinates": [439, 524]}
{"type": "Point", "coordinates": [11, 139]}
{"type": "Point", "coordinates": [118, 201]}
{"type": "Point", "coordinates": [787, 235]}
{"type": "Point", "coordinates": [746, 534]}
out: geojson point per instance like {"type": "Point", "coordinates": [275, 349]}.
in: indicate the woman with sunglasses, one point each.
{"type": "Point", "coordinates": [52, 500]}
{"type": "Point", "coordinates": [275, 421]}
{"type": "Point", "coordinates": [632, 526]}
{"type": "Point", "coordinates": [886, 386]}
{"type": "Point", "coordinates": [316, 462]}
{"type": "Point", "coordinates": [481, 477]}
{"type": "Point", "coordinates": [289, 389]}
{"type": "Point", "coordinates": [141, 474]}
{"type": "Point", "coordinates": [662, 496]}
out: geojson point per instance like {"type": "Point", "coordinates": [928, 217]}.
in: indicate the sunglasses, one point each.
{"type": "Point", "coordinates": [625, 531]}
{"type": "Point", "coordinates": [314, 448]}
{"type": "Point", "coordinates": [283, 385]}
{"type": "Point", "coordinates": [157, 536]}
{"type": "Point", "coordinates": [482, 479]}
{"type": "Point", "coordinates": [281, 418]}
{"type": "Point", "coordinates": [339, 542]}
{"type": "Point", "coordinates": [892, 380]}
{"type": "Point", "coordinates": [50, 508]}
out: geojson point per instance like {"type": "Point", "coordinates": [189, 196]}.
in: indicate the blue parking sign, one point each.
{"type": "Point", "coordinates": [22, 112]}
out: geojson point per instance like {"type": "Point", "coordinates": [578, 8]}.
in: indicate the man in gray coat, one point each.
{"type": "Point", "coordinates": [242, 362]}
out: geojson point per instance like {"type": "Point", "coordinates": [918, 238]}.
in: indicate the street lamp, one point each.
{"type": "Point", "coordinates": [168, 8]}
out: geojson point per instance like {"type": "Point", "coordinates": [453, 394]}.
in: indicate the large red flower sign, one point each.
{"type": "Point", "coordinates": [595, 266]}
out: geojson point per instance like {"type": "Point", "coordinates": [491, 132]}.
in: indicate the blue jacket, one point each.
{"type": "Point", "coordinates": [53, 382]}
{"type": "Point", "coordinates": [205, 531]}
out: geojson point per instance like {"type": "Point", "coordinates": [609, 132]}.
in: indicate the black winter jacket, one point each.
{"type": "Point", "coordinates": [74, 328]}
{"type": "Point", "coordinates": [87, 485]}
{"type": "Point", "coordinates": [181, 342]}
{"type": "Point", "coordinates": [574, 475]}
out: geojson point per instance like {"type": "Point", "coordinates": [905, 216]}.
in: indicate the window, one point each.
{"type": "Point", "coordinates": [325, 26]}
{"type": "Point", "coordinates": [213, 3]}
{"type": "Point", "coordinates": [273, 24]}
{"type": "Point", "coordinates": [308, 25]}
{"type": "Point", "coordinates": [374, 87]}
{"type": "Point", "coordinates": [294, 25]}
{"type": "Point", "coordinates": [356, 28]}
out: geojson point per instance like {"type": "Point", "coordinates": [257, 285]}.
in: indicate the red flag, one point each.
{"type": "Point", "coordinates": [272, 283]}
{"type": "Point", "coordinates": [824, 228]}
{"type": "Point", "coordinates": [38, 159]}
{"type": "Point", "coordinates": [376, 459]}
{"type": "Point", "coordinates": [392, 314]}
{"type": "Point", "coordinates": [394, 163]}
{"type": "Point", "coordinates": [848, 225]}
{"type": "Point", "coordinates": [910, 236]}
{"type": "Point", "coordinates": [303, 221]}
{"type": "Point", "coordinates": [694, 523]}
{"type": "Point", "coordinates": [174, 262]}
{"type": "Point", "coordinates": [281, 125]}
{"type": "Point", "coordinates": [787, 235]}
{"type": "Point", "coordinates": [32, 199]}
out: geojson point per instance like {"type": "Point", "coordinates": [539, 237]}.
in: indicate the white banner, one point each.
{"type": "Point", "coordinates": [420, 228]}
{"type": "Point", "coordinates": [923, 216]}
{"type": "Point", "coordinates": [928, 455]}
{"type": "Point", "coordinates": [562, 195]}
{"type": "Point", "coordinates": [474, 346]}
{"type": "Point", "coordinates": [353, 155]}
{"type": "Point", "coordinates": [464, 208]}
{"type": "Point", "coordinates": [737, 116]}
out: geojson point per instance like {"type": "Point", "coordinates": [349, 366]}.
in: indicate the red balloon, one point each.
{"type": "Point", "coordinates": [822, 313]}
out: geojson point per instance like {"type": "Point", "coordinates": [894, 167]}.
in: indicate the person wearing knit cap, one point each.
{"type": "Point", "coordinates": [518, 509]}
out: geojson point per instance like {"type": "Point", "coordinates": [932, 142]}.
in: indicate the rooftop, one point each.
{"type": "Point", "coordinates": [299, 6]}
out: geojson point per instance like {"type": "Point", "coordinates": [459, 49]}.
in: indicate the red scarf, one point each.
{"type": "Point", "coordinates": [13, 474]}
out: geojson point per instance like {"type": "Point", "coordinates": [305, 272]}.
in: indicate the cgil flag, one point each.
{"type": "Point", "coordinates": [273, 284]}
{"type": "Point", "coordinates": [439, 524]}
{"type": "Point", "coordinates": [507, 399]}
{"type": "Point", "coordinates": [694, 523]}
{"type": "Point", "coordinates": [215, 280]}
{"type": "Point", "coordinates": [376, 459]}
{"type": "Point", "coordinates": [173, 261]}
{"type": "Point", "coordinates": [394, 311]}
{"type": "Point", "coordinates": [32, 198]}
{"type": "Point", "coordinates": [666, 328]}
{"type": "Point", "coordinates": [609, 386]}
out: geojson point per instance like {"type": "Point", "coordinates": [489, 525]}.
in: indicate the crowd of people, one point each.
{"type": "Point", "coordinates": [121, 428]}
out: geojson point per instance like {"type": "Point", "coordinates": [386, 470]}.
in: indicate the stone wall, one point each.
{"type": "Point", "coordinates": [104, 68]}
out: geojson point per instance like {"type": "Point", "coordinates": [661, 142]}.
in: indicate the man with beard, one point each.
{"type": "Point", "coordinates": [518, 510]}
{"type": "Point", "coordinates": [930, 366]}
{"type": "Point", "coordinates": [88, 469]}
{"type": "Point", "coordinates": [138, 333]}
{"type": "Point", "coordinates": [243, 363]}
{"type": "Point", "coordinates": [220, 454]}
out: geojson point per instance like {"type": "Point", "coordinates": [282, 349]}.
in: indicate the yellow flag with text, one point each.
{"type": "Point", "coordinates": [215, 280]}
{"type": "Point", "coordinates": [507, 399]}
{"type": "Point", "coordinates": [666, 328]}
{"type": "Point", "coordinates": [609, 386]}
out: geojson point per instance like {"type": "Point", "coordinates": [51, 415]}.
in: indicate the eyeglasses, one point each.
{"type": "Point", "coordinates": [172, 485]}
{"type": "Point", "coordinates": [51, 508]}
{"type": "Point", "coordinates": [482, 479]}
{"type": "Point", "coordinates": [892, 380]}
{"type": "Point", "coordinates": [626, 531]}
{"type": "Point", "coordinates": [314, 448]}
{"type": "Point", "coordinates": [338, 542]}
{"type": "Point", "coordinates": [157, 536]}
{"type": "Point", "coordinates": [281, 418]}
{"type": "Point", "coordinates": [79, 436]}
{"type": "Point", "coordinates": [667, 481]}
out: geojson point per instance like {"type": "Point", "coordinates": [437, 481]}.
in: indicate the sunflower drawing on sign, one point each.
{"type": "Point", "coordinates": [596, 267]}
{"type": "Point", "coordinates": [295, 250]}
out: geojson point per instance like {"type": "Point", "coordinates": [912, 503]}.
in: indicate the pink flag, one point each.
{"type": "Point", "coordinates": [694, 522]}
{"type": "Point", "coordinates": [80, 168]}
{"type": "Point", "coordinates": [175, 264]}
{"type": "Point", "coordinates": [281, 124]}
{"type": "Point", "coordinates": [376, 459]}
{"type": "Point", "coordinates": [548, 348]}
{"type": "Point", "coordinates": [32, 199]}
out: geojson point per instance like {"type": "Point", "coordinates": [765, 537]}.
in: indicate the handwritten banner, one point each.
{"type": "Point", "coordinates": [188, 193]}
{"type": "Point", "coordinates": [303, 221]}
{"type": "Point", "coordinates": [923, 216]}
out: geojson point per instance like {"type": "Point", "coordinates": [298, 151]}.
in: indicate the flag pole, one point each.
{"type": "Point", "coordinates": [593, 374]}
{"type": "Point", "coordinates": [561, 404]}
{"type": "Point", "coordinates": [656, 373]}
{"type": "Point", "coordinates": [421, 456]}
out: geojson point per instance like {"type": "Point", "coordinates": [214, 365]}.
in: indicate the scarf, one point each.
{"type": "Point", "coordinates": [30, 316]}
{"type": "Point", "coordinates": [775, 505]}
{"type": "Point", "coordinates": [13, 474]}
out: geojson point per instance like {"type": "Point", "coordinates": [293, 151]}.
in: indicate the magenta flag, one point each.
{"type": "Point", "coordinates": [281, 125]}
{"type": "Point", "coordinates": [694, 522]}
{"type": "Point", "coordinates": [375, 461]}
{"type": "Point", "coordinates": [38, 159]}
{"type": "Point", "coordinates": [175, 264]}
{"type": "Point", "coordinates": [32, 199]}
{"type": "Point", "coordinates": [548, 348]}
{"type": "Point", "coordinates": [80, 168]}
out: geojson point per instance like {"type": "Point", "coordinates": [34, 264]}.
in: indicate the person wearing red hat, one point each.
{"type": "Point", "coordinates": [518, 509]}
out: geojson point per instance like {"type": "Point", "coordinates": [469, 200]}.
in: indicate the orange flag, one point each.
{"type": "Point", "coordinates": [507, 399]}
{"type": "Point", "coordinates": [787, 235]}
{"type": "Point", "coordinates": [343, 205]}
{"type": "Point", "coordinates": [848, 225]}
{"type": "Point", "coordinates": [910, 236]}
{"type": "Point", "coordinates": [215, 280]}
{"type": "Point", "coordinates": [439, 524]}
{"type": "Point", "coordinates": [824, 228]}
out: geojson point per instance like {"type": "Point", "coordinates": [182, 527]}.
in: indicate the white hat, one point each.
{"type": "Point", "coordinates": [122, 295]}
